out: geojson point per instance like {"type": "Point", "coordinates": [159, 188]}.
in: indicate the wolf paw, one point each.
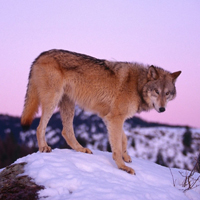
{"type": "Point", "coordinates": [85, 150]}
{"type": "Point", "coordinates": [127, 158]}
{"type": "Point", "coordinates": [45, 149]}
{"type": "Point", "coordinates": [128, 169]}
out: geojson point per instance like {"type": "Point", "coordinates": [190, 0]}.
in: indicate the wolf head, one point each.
{"type": "Point", "coordinates": [160, 88]}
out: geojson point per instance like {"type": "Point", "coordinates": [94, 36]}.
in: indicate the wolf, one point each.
{"type": "Point", "coordinates": [113, 90]}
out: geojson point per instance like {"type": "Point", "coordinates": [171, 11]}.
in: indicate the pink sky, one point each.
{"type": "Point", "coordinates": [163, 33]}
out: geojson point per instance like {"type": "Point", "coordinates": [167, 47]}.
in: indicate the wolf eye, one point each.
{"type": "Point", "coordinates": [157, 92]}
{"type": "Point", "coordinates": [167, 93]}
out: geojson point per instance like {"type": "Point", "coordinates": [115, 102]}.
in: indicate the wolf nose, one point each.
{"type": "Point", "coordinates": [162, 109]}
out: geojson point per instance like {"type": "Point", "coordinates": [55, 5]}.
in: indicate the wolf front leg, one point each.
{"type": "Point", "coordinates": [125, 155]}
{"type": "Point", "coordinates": [114, 126]}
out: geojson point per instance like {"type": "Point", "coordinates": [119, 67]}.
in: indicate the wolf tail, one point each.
{"type": "Point", "coordinates": [31, 104]}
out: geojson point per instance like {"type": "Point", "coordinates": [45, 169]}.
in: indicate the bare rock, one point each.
{"type": "Point", "coordinates": [13, 185]}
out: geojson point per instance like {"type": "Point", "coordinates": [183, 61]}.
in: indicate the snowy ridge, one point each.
{"type": "Point", "coordinates": [164, 146]}
{"type": "Point", "coordinates": [67, 174]}
{"type": "Point", "coordinates": [155, 142]}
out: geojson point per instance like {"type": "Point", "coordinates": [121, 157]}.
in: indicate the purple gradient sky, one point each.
{"type": "Point", "coordinates": [163, 33]}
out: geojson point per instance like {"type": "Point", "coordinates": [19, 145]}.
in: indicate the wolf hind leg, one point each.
{"type": "Point", "coordinates": [67, 114]}
{"type": "Point", "coordinates": [48, 105]}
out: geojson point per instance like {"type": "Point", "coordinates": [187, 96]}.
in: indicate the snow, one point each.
{"type": "Point", "coordinates": [67, 174]}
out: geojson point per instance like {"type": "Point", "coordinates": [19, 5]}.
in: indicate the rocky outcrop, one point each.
{"type": "Point", "coordinates": [15, 185]}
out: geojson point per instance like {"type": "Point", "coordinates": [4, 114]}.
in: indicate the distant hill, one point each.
{"type": "Point", "coordinates": [161, 143]}
{"type": "Point", "coordinates": [11, 123]}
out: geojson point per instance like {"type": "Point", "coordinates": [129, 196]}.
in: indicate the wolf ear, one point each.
{"type": "Point", "coordinates": [175, 75]}
{"type": "Point", "coordinates": [152, 73]}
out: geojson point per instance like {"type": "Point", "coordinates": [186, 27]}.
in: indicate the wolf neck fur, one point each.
{"type": "Point", "coordinates": [144, 104]}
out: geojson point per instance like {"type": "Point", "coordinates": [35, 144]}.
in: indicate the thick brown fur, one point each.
{"type": "Point", "coordinates": [113, 90]}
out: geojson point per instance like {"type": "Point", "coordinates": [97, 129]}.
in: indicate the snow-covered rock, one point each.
{"type": "Point", "coordinates": [67, 174]}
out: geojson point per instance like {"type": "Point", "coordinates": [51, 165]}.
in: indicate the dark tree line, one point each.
{"type": "Point", "coordinates": [10, 150]}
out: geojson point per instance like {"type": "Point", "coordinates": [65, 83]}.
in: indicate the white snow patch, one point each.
{"type": "Point", "coordinates": [67, 174]}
